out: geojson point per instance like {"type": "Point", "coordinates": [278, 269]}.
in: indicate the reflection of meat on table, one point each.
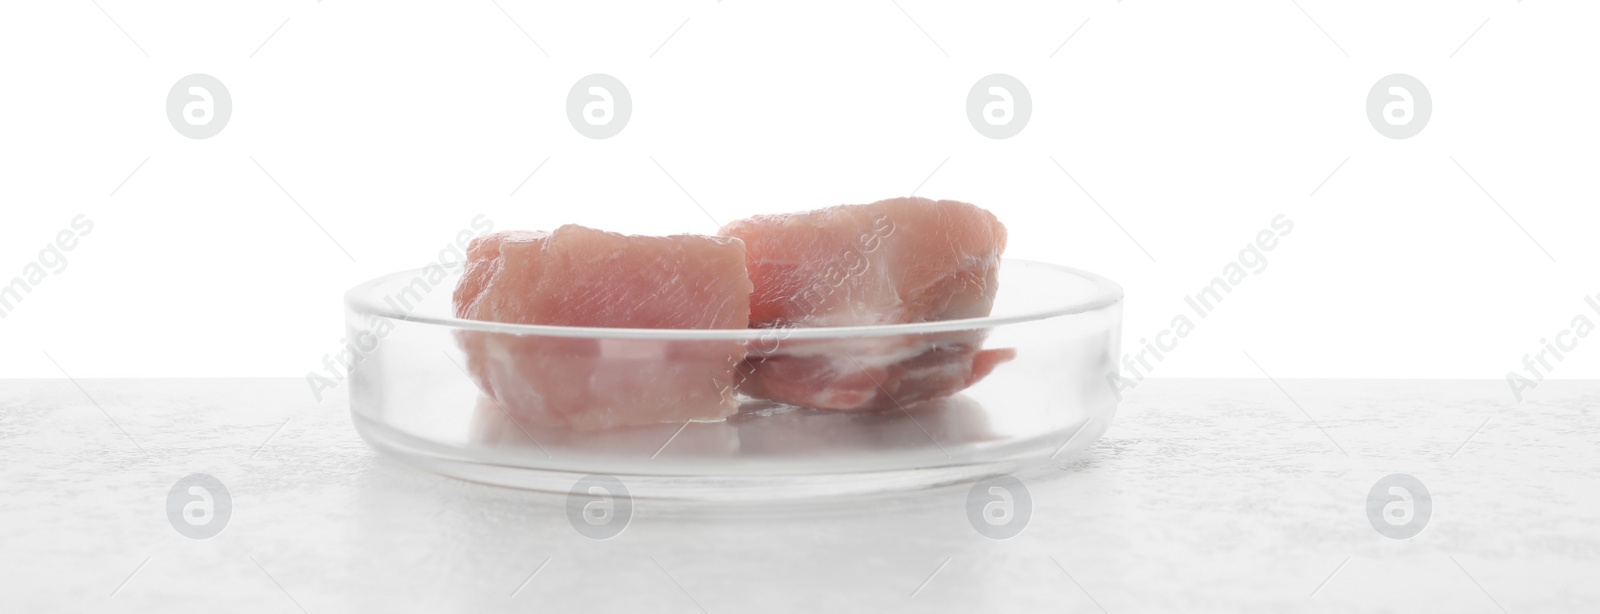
{"type": "Point", "coordinates": [494, 427]}
{"type": "Point", "coordinates": [760, 429]}
{"type": "Point", "coordinates": [768, 429]}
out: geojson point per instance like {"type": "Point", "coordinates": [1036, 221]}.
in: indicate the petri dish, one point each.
{"type": "Point", "coordinates": [414, 395]}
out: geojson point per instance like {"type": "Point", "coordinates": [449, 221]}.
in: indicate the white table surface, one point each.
{"type": "Point", "coordinates": [1206, 495]}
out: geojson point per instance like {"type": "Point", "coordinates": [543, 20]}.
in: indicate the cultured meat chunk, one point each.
{"type": "Point", "coordinates": [896, 261]}
{"type": "Point", "coordinates": [576, 276]}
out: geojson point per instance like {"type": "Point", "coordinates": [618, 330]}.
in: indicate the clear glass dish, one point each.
{"type": "Point", "coordinates": [412, 396]}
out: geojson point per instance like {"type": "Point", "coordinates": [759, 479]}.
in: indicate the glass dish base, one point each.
{"type": "Point", "coordinates": [705, 481]}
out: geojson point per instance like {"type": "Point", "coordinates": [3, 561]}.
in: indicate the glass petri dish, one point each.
{"type": "Point", "coordinates": [413, 395]}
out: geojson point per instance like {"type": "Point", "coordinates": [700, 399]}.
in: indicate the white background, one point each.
{"type": "Point", "coordinates": [1191, 124]}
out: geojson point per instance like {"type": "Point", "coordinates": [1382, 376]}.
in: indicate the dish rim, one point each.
{"type": "Point", "coordinates": [364, 299]}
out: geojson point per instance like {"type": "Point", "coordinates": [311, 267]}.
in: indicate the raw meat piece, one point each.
{"type": "Point", "coordinates": [577, 276]}
{"type": "Point", "coordinates": [895, 261]}
{"type": "Point", "coordinates": [891, 262]}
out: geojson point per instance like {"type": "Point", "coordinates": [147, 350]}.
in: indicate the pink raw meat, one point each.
{"type": "Point", "coordinates": [577, 276]}
{"type": "Point", "coordinates": [895, 261]}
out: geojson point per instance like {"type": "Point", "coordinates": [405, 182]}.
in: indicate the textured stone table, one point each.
{"type": "Point", "coordinates": [1206, 495]}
